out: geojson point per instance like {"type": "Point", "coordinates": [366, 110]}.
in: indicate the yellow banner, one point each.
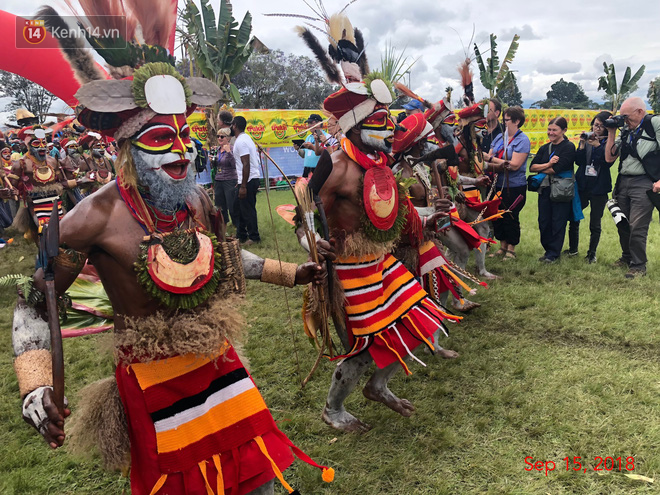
{"type": "Point", "coordinates": [536, 124]}
{"type": "Point", "coordinates": [269, 128]}
{"type": "Point", "coordinates": [276, 128]}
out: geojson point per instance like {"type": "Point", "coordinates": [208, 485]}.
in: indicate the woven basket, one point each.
{"type": "Point", "coordinates": [232, 276]}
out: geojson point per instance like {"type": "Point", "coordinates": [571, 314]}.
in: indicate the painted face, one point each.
{"type": "Point", "coordinates": [480, 128]}
{"type": "Point", "coordinates": [98, 149]}
{"type": "Point", "coordinates": [6, 154]}
{"type": "Point", "coordinates": [39, 148]}
{"type": "Point", "coordinates": [164, 142]}
{"type": "Point", "coordinates": [377, 131]}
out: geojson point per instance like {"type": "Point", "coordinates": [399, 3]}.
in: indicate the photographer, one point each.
{"type": "Point", "coordinates": [594, 182]}
{"type": "Point", "coordinates": [639, 136]}
{"type": "Point", "coordinates": [313, 146]}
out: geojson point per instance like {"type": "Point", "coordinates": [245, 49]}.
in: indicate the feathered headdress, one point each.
{"type": "Point", "coordinates": [145, 81]}
{"type": "Point", "coordinates": [346, 44]}
{"type": "Point", "coordinates": [345, 63]}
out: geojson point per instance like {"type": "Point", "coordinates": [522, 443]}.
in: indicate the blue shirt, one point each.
{"type": "Point", "coordinates": [519, 144]}
{"type": "Point", "coordinates": [311, 160]}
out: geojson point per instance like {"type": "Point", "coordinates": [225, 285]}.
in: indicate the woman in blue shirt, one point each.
{"type": "Point", "coordinates": [508, 159]}
{"type": "Point", "coordinates": [594, 182]}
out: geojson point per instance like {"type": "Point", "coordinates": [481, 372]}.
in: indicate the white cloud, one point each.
{"type": "Point", "coordinates": [574, 37]}
{"type": "Point", "coordinates": [545, 66]}
{"type": "Point", "coordinates": [525, 32]}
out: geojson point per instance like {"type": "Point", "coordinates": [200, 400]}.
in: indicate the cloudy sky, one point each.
{"type": "Point", "coordinates": [563, 38]}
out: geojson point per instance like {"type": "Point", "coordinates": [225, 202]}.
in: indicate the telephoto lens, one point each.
{"type": "Point", "coordinates": [616, 212]}
{"type": "Point", "coordinates": [615, 121]}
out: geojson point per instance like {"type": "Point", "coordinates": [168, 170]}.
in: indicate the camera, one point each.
{"type": "Point", "coordinates": [586, 135]}
{"type": "Point", "coordinates": [617, 215]}
{"type": "Point", "coordinates": [617, 121]}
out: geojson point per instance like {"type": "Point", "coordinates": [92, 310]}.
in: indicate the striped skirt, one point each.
{"type": "Point", "coordinates": [388, 312]}
{"type": "Point", "coordinates": [199, 426]}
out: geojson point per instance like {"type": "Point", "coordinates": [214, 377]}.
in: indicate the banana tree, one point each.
{"type": "Point", "coordinates": [494, 76]}
{"type": "Point", "coordinates": [218, 49]}
{"type": "Point", "coordinates": [618, 93]}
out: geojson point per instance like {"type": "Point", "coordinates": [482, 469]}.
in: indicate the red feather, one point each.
{"type": "Point", "coordinates": [465, 72]}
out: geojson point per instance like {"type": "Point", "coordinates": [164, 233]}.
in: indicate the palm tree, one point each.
{"type": "Point", "coordinates": [494, 76]}
{"type": "Point", "coordinates": [218, 50]}
{"type": "Point", "coordinates": [618, 93]}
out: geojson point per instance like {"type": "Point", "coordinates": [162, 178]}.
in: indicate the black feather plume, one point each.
{"type": "Point", "coordinates": [362, 62]}
{"type": "Point", "coordinates": [79, 58]}
{"type": "Point", "coordinates": [327, 65]}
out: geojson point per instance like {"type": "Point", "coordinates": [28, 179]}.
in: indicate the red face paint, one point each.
{"type": "Point", "coordinates": [378, 121]}
{"type": "Point", "coordinates": [165, 134]}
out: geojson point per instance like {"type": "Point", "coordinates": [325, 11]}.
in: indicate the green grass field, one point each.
{"type": "Point", "coordinates": [561, 360]}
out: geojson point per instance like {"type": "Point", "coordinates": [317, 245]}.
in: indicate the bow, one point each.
{"type": "Point", "coordinates": [305, 202]}
{"type": "Point", "coordinates": [48, 250]}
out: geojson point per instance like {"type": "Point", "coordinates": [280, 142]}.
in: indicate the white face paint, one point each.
{"type": "Point", "coordinates": [169, 193]}
{"type": "Point", "coordinates": [377, 131]}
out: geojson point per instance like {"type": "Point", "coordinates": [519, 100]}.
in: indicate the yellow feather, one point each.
{"type": "Point", "coordinates": [339, 28]}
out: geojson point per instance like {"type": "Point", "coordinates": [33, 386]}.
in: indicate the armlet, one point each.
{"type": "Point", "coordinates": [70, 258]}
{"type": "Point", "coordinates": [33, 370]}
{"type": "Point", "coordinates": [279, 274]}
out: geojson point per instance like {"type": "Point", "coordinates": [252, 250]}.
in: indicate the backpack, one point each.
{"type": "Point", "coordinates": [650, 161]}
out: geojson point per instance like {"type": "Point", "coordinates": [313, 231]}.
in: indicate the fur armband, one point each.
{"type": "Point", "coordinates": [272, 273]}
{"type": "Point", "coordinates": [34, 369]}
{"type": "Point", "coordinates": [71, 183]}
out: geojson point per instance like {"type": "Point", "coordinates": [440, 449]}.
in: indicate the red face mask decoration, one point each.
{"type": "Point", "coordinates": [6, 154]}
{"type": "Point", "coordinates": [165, 134]}
{"type": "Point", "coordinates": [39, 148]}
{"type": "Point", "coordinates": [377, 130]}
{"type": "Point", "coordinates": [164, 144]}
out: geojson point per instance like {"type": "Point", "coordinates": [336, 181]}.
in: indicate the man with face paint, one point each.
{"type": "Point", "coordinates": [11, 193]}
{"type": "Point", "coordinates": [386, 312]}
{"type": "Point", "coordinates": [190, 413]}
{"type": "Point", "coordinates": [94, 164]}
{"type": "Point", "coordinates": [40, 181]}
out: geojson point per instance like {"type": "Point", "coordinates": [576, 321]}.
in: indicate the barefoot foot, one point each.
{"type": "Point", "coordinates": [344, 421]}
{"type": "Point", "coordinates": [488, 276]}
{"type": "Point", "coordinates": [447, 354]}
{"type": "Point", "coordinates": [466, 306]}
{"type": "Point", "coordinates": [402, 406]}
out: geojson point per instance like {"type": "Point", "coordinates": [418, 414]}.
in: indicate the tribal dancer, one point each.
{"type": "Point", "coordinates": [40, 181]}
{"type": "Point", "coordinates": [94, 164]}
{"type": "Point", "coordinates": [180, 399]}
{"type": "Point", "coordinates": [387, 313]}
{"type": "Point", "coordinates": [6, 166]}
{"type": "Point", "coordinates": [417, 249]}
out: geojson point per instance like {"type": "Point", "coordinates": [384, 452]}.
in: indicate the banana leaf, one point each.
{"type": "Point", "coordinates": [504, 68]}
{"type": "Point", "coordinates": [628, 84]}
{"type": "Point", "coordinates": [486, 78]}
{"type": "Point", "coordinates": [244, 31]}
{"type": "Point", "coordinates": [210, 28]}
{"type": "Point", "coordinates": [493, 61]}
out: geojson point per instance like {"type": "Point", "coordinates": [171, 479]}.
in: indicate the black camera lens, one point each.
{"type": "Point", "coordinates": [618, 121]}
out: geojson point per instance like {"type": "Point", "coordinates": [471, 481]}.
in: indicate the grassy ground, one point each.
{"type": "Point", "coordinates": [561, 360]}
